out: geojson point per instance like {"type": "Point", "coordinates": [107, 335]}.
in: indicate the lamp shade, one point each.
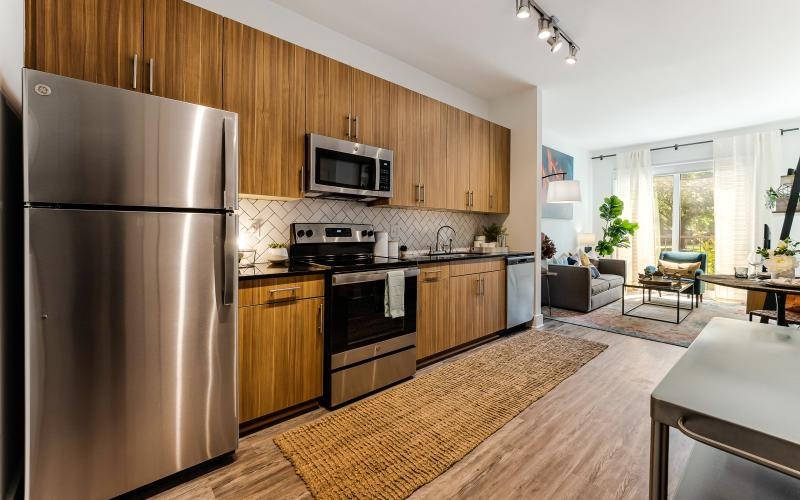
{"type": "Point", "coordinates": [586, 239]}
{"type": "Point", "coordinates": [564, 191]}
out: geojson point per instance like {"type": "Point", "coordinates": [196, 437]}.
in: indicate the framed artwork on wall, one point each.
{"type": "Point", "coordinates": [555, 162]}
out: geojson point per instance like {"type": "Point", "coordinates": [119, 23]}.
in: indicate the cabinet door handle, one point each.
{"type": "Point", "coordinates": [349, 124]}
{"type": "Point", "coordinates": [416, 192]}
{"type": "Point", "coordinates": [321, 319]}
{"type": "Point", "coordinates": [135, 69]}
{"type": "Point", "coordinates": [478, 284]}
{"type": "Point", "coordinates": [152, 63]}
{"type": "Point", "coordinates": [432, 278]}
{"type": "Point", "coordinates": [471, 199]}
{"type": "Point", "coordinates": [291, 289]}
{"type": "Point", "coordinates": [467, 199]}
{"type": "Point", "coordinates": [302, 180]}
{"type": "Point", "coordinates": [423, 193]}
{"type": "Point", "coordinates": [356, 121]}
{"type": "Point", "coordinates": [491, 200]}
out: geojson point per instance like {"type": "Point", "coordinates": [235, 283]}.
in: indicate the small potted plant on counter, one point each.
{"type": "Point", "coordinates": [277, 253]}
{"type": "Point", "coordinates": [403, 251]}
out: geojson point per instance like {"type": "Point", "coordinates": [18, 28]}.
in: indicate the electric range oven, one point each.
{"type": "Point", "coordinates": [365, 349]}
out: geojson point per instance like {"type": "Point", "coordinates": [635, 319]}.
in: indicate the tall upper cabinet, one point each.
{"type": "Point", "coordinates": [265, 80]}
{"type": "Point", "coordinates": [183, 52]}
{"type": "Point", "coordinates": [165, 47]}
{"type": "Point", "coordinates": [94, 40]}
{"type": "Point", "coordinates": [347, 103]}
{"type": "Point", "coordinates": [500, 171]}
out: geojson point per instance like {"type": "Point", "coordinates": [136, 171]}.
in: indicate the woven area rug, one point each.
{"type": "Point", "coordinates": [391, 444]}
{"type": "Point", "coordinates": [610, 319]}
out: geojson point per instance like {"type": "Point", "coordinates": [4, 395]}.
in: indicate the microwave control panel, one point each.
{"type": "Point", "coordinates": [384, 175]}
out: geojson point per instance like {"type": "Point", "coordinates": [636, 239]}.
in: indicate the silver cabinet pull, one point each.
{"type": "Point", "coordinates": [478, 284]}
{"type": "Point", "coordinates": [302, 181]}
{"type": "Point", "coordinates": [349, 123]}
{"type": "Point", "coordinates": [417, 194]}
{"type": "Point", "coordinates": [491, 200]}
{"type": "Point", "coordinates": [423, 193]}
{"type": "Point", "coordinates": [135, 69]}
{"type": "Point", "coordinates": [736, 451]}
{"type": "Point", "coordinates": [471, 199]}
{"type": "Point", "coordinates": [152, 63]}
{"type": "Point", "coordinates": [356, 120]}
{"type": "Point", "coordinates": [467, 199]}
{"type": "Point", "coordinates": [321, 319]}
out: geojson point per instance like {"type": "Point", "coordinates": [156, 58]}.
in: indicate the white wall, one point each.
{"type": "Point", "coordinates": [604, 170]}
{"type": "Point", "coordinates": [290, 26]}
{"type": "Point", "coordinates": [521, 112]}
{"type": "Point", "coordinates": [564, 232]}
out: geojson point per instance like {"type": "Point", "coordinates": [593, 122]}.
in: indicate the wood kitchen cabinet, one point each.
{"type": "Point", "coordinates": [479, 163]}
{"type": "Point", "coordinates": [346, 103]}
{"type": "Point", "coordinates": [457, 159]}
{"type": "Point", "coordinates": [92, 40]}
{"type": "Point", "coordinates": [477, 299]}
{"type": "Point", "coordinates": [433, 316]}
{"type": "Point", "coordinates": [165, 47]}
{"type": "Point", "coordinates": [500, 173]}
{"type": "Point", "coordinates": [433, 157]}
{"type": "Point", "coordinates": [405, 167]}
{"type": "Point", "coordinates": [183, 52]}
{"type": "Point", "coordinates": [280, 345]}
{"type": "Point", "coordinates": [265, 84]}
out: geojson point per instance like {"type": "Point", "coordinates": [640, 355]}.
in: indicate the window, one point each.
{"type": "Point", "coordinates": [688, 224]}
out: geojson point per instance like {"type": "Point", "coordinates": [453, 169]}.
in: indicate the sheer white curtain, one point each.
{"type": "Point", "coordinates": [634, 185]}
{"type": "Point", "coordinates": [741, 165]}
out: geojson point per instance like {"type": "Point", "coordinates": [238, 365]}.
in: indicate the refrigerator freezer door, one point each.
{"type": "Point", "coordinates": [130, 352]}
{"type": "Point", "coordinates": [91, 144]}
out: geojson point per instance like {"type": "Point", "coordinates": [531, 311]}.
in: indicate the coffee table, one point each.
{"type": "Point", "coordinates": [684, 287]}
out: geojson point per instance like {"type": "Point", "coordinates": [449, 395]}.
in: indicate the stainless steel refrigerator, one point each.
{"type": "Point", "coordinates": [130, 286]}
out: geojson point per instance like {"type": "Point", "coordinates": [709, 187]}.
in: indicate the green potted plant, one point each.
{"type": "Point", "coordinates": [617, 232]}
{"type": "Point", "coordinates": [277, 252]}
{"type": "Point", "coordinates": [493, 233]}
{"type": "Point", "coordinates": [403, 251]}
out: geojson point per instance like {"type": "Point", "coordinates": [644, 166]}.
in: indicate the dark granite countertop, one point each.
{"type": "Point", "coordinates": [267, 270]}
{"type": "Point", "coordinates": [427, 259]}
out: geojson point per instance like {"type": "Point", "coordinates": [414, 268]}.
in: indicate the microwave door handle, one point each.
{"type": "Point", "coordinates": [229, 164]}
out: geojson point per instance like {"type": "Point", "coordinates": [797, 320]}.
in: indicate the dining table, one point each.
{"type": "Point", "coordinates": [756, 285]}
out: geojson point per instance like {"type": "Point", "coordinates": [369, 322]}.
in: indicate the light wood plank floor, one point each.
{"type": "Point", "coordinates": [587, 438]}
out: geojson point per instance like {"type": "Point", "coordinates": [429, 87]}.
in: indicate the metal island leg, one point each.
{"type": "Point", "coordinates": [659, 460]}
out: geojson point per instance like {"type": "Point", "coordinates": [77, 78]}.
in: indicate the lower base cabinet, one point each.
{"type": "Point", "coordinates": [458, 304]}
{"type": "Point", "coordinates": [280, 355]}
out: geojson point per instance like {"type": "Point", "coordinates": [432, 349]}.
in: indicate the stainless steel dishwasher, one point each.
{"type": "Point", "coordinates": [519, 289]}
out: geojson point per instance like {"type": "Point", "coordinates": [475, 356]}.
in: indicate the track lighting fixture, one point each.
{"type": "Point", "coordinates": [555, 42]}
{"type": "Point", "coordinates": [549, 29]}
{"type": "Point", "coordinates": [523, 9]}
{"type": "Point", "coordinates": [572, 57]}
{"type": "Point", "coordinates": [545, 28]}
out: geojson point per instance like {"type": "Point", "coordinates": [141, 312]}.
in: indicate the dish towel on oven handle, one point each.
{"type": "Point", "coordinates": [395, 294]}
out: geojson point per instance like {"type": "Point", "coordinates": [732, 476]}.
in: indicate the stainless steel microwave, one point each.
{"type": "Point", "coordinates": [347, 170]}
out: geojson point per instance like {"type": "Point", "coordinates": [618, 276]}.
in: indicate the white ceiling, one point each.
{"type": "Point", "coordinates": [647, 70]}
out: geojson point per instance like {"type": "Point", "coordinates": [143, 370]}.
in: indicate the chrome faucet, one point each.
{"type": "Point", "coordinates": [438, 238]}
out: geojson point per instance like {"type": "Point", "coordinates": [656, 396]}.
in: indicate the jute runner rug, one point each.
{"type": "Point", "coordinates": [391, 444]}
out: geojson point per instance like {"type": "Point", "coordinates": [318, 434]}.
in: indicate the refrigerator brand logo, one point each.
{"type": "Point", "coordinates": [42, 89]}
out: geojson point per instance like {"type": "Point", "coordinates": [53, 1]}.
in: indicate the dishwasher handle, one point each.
{"type": "Point", "coordinates": [522, 259]}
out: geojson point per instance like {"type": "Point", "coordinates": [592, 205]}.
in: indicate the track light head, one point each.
{"type": "Point", "coordinates": [572, 57]}
{"type": "Point", "coordinates": [545, 28]}
{"type": "Point", "coordinates": [555, 42]}
{"type": "Point", "coordinates": [523, 9]}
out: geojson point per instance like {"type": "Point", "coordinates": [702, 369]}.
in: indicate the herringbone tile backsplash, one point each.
{"type": "Point", "coordinates": [262, 222]}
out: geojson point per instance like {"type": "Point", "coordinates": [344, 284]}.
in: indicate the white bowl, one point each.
{"type": "Point", "coordinates": [276, 258]}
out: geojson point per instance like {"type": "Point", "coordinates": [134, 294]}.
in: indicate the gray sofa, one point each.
{"type": "Point", "coordinates": [575, 289]}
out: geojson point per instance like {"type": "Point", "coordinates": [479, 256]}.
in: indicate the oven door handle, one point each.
{"type": "Point", "coordinates": [350, 278]}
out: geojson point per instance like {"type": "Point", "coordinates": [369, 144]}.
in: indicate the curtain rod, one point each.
{"type": "Point", "coordinates": [676, 146]}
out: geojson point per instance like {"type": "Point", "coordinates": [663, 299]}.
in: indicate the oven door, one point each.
{"type": "Point", "coordinates": [348, 168]}
{"type": "Point", "coordinates": [357, 310]}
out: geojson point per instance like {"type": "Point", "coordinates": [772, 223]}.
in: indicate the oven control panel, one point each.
{"type": "Point", "coordinates": [332, 233]}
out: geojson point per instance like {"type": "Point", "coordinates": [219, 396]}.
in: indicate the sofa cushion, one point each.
{"type": "Point", "coordinates": [612, 279]}
{"type": "Point", "coordinates": [684, 270]}
{"type": "Point", "coordinates": [599, 286]}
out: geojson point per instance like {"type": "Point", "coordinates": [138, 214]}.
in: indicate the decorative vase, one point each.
{"type": "Point", "coordinates": [277, 255]}
{"type": "Point", "coordinates": [786, 273]}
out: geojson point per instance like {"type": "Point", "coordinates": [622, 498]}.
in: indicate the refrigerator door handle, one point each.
{"type": "Point", "coordinates": [229, 256]}
{"type": "Point", "coordinates": [230, 164]}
